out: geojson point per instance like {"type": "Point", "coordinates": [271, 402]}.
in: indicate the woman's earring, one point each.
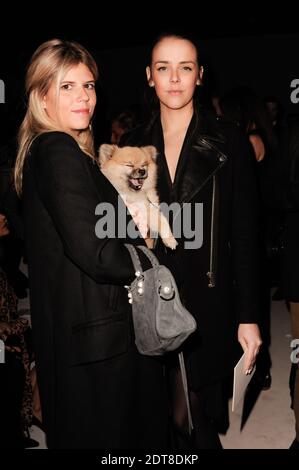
{"type": "Point", "coordinates": [151, 84]}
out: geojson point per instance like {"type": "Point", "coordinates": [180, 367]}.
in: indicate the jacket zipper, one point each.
{"type": "Point", "coordinates": [212, 263]}
{"type": "Point", "coordinates": [211, 273]}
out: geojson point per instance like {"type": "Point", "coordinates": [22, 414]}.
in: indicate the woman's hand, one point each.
{"type": "Point", "coordinates": [250, 339]}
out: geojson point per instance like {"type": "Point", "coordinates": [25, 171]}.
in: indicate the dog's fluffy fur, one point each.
{"type": "Point", "coordinates": [133, 173]}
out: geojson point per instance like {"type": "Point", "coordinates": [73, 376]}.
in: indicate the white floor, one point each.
{"type": "Point", "coordinates": [270, 424]}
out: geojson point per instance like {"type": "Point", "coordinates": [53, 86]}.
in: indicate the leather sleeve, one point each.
{"type": "Point", "coordinates": [245, 232]}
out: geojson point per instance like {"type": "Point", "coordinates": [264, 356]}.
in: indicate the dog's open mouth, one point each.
{"type": "Point", "coordinates": [136, 183]}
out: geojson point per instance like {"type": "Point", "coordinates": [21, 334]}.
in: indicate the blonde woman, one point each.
{"type": "Point", "coordinates": [96, 390]}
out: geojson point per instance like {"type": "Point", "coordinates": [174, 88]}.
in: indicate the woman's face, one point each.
{"type": "Point", "coordinates": [174, 72]}
{"type": "Point", "coordinates": [73, 108]}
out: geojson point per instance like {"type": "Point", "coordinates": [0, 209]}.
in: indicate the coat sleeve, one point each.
{"type": "Point", "coordinates": [68, 192]}
{"type": "Point", "coordinates": [245, 232]}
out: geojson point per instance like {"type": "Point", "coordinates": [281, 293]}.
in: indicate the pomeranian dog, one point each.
{"type": "Point", "coordinates": [133, 173]}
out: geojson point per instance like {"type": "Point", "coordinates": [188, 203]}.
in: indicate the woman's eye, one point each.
{"type": "Point", "coordinates": [187, 68]}
{"type": "Point", "coordinates": [66, 86]}
{"type": "Point", "coordinates": [162, 69]}
{"type": "Point", "coordinates": [90, 86]}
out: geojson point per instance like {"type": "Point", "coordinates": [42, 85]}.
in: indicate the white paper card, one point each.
{"type": "Point", "coordinates": [241, 381]}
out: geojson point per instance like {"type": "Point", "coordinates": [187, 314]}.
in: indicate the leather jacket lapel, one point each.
{"type": "Point", "coordinates": [201, 157]}
{"type": "Point", "coordinates": [204, 159]}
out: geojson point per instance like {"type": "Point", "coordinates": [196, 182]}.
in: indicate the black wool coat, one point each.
{"type": "Point", "coordinates": [96, 390]}
{"type": "Point", "coordinates": [218, 281]}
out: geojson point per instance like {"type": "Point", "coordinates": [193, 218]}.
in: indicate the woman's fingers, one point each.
{"type": "Point", "coordinates": [250, 340]}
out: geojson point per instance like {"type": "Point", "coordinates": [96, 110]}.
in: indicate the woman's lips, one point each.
{"type": "Point", "coordinates": [81, 111]}
{"type": "Point", "coordinates": [174, 92]}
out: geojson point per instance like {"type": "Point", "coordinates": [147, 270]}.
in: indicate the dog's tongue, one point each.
{"type": "Point", "coordinates": [136, 181]}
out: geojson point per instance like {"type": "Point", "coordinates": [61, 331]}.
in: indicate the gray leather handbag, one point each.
{"type": "Point", "coordinates": [161, 322]}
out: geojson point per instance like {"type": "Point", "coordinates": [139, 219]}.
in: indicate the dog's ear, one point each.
{"type": "Point", "coordinates": [151, 151]}
{"type": "Point", "coordinates": [106, 151]}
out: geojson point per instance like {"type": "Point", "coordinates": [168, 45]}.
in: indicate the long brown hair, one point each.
{"type": "Point", "coordinates": [51, 61]}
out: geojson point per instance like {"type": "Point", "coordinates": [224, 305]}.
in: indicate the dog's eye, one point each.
{"type": "Point", "coordinates": [130, 165]}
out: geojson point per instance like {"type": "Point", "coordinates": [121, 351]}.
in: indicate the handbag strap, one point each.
{"type": "Point", "coordinates": [138, 267]}
{"type": "Point", "coordinates": [135, 257]}
{"type": "Point", "coordinates": [150, 255]}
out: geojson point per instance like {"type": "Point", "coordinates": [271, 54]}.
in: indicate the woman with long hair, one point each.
{"type": "Point", "coordinates": [96, 390]}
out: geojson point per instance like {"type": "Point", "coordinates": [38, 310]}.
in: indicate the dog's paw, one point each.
{"type": "Point", "coordinates": [170, 242]}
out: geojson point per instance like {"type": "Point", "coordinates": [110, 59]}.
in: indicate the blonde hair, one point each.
{"type": "Point", "coordinates": [51, 61]}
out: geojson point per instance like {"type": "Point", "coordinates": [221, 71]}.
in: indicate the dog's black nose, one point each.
{"type": "Point", "coordinates": [141, 172]}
